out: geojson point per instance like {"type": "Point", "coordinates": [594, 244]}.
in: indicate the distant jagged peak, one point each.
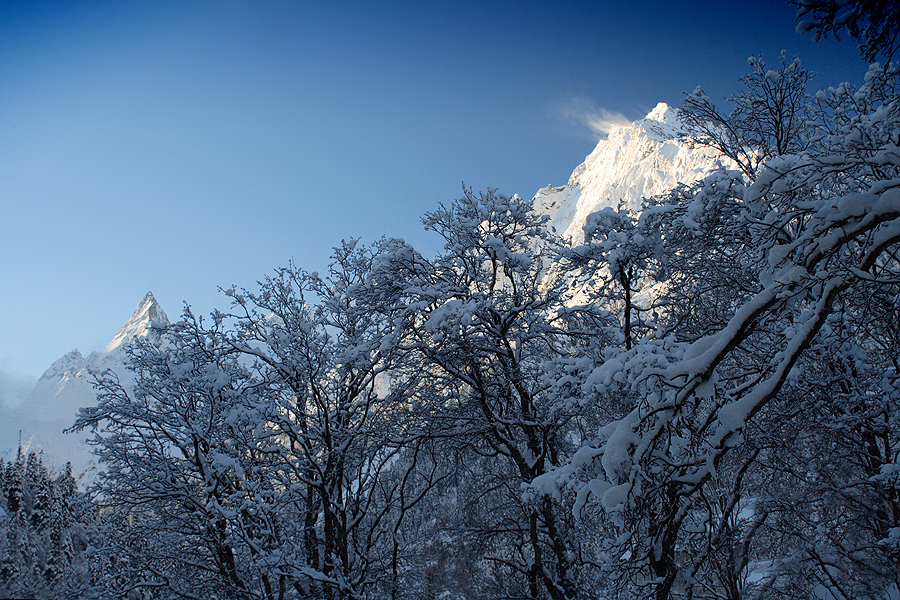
{"type": "Point", "coordinates": [69, 364]}
{"type": "Point", "coordinates": [147, 316]}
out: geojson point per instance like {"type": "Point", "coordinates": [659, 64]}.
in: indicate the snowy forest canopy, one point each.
{"type": "Point", "coordinates": [697, 401]}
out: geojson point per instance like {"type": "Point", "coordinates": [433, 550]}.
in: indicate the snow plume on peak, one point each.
{"type": "Point", "coordinates": [601, 122]}
{"type": "Point", "coordinates": [639, 160]}
{"type": "Point", "coordinates": [147, 316]}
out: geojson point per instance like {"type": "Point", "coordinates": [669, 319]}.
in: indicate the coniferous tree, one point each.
{"type": "Point", "coordinates": [44, 536]}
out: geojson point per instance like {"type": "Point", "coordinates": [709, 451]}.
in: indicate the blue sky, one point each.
{"type": "Point", "coordinates": [181, 146]}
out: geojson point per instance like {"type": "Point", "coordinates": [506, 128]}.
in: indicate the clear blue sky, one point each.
{"type": "Point", "coordinates": [181, 146]}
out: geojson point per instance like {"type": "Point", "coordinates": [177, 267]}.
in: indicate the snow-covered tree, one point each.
{"type": "Point", "coordinates": [488, 322]}
{"type": "Point", "coordinates": [769, 116]}
{"type": "Point", "coordinates": [269, 453]}
{"type": "Point", "coordinates": [610, 269]}
{"type": "Point", "coordinates": [342, 418]}
{"type": "Point", "coordinates": [875, 24]}
{"type": "Point", "coordinates": [186, 471]}
{"type": "Point", "coordinates": [46, 528]}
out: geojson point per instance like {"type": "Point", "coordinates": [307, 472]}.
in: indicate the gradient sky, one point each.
{"type": "Point", "coordinates": [181, 146]}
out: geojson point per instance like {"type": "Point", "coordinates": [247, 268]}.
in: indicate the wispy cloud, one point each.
{"type": "Point", "coordinates": [583, 113]}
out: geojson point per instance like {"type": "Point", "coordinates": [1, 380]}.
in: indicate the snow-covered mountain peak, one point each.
{"type": "Point", "coordinates": [662, 112]}
{"type": "Point", "coordinates": [147, 316]}
{"type": "Point", "coordinates": [649, 157]}
{"type": "Point", "coordinates": [661, 123]}
{"type": "Point", "coordinates": [67, 386]}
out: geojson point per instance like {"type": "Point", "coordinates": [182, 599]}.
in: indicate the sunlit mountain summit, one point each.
{"type": "Point", "coordinates": [649, 157]}
{"type": "Point", "coordinates": [147, 318]}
